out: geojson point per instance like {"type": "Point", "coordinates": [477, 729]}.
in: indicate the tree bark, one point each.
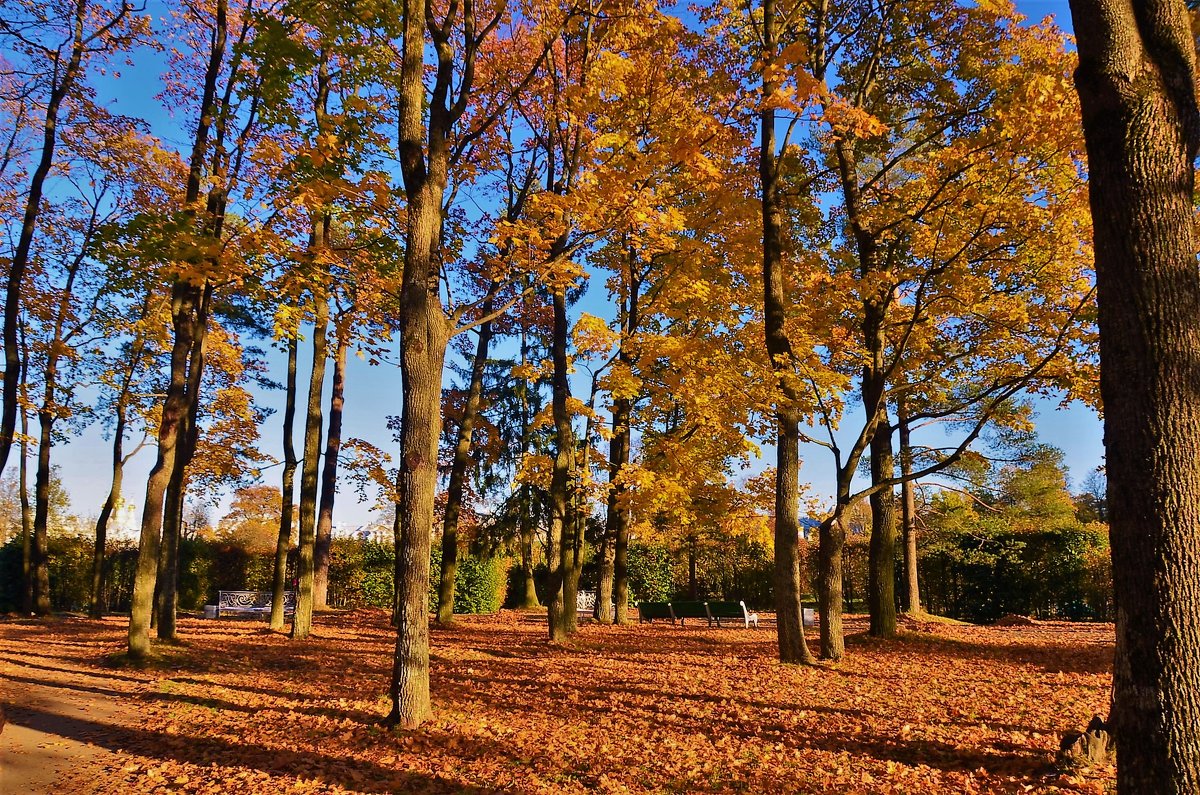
{"type": "Point", "coordinates": [528, 599]}
{"type": "Point", "coordinates": [908, 513]}
{"type": "Point", "coordinates": [27, 589]}
{"type": "Point", "coordinates": [1136, 83]}
{"type": "Point", "coordinates": [881, 561]}
{"type": "Point", "coordinates": [333, 448]}
{"type": "Point", "coordinates": [189, 435]}
{"type": "Point", "coordinates": [283, 541]}
{"type": "Point", "coordinates": [560, 531]}
{"type": "Point", "coordinates": [183, 307]}
{"type": "Point", "coordinates": [831, 539]}
{"type": "Point", "coordinates": [458, 471]}
{"type": "Point", "coordinates": [306, 566]}
{"type": "Point", "coordinates": [185, 303]}
{"type": "Point", "coordinates": [788, 586]}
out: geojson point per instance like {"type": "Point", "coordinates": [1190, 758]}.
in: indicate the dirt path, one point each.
{"type": "Point", "coordinates": [61, 717]}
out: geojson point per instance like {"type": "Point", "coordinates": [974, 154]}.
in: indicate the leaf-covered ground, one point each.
{"type": "Point", "coordinates": [651, 708]}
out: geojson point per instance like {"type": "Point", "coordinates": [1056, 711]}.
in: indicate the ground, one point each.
{"type": "Point", "coordinates": [651, 708]}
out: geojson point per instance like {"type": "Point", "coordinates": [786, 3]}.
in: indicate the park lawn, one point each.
{"type": "Point", "coordinates": [652, 708]}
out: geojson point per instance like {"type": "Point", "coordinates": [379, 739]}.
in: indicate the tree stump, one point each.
{"type": "Point", "coordinates": [1088, 748]}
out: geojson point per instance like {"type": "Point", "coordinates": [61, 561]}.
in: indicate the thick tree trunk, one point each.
{"type": "Point", "coordinates": [184, 300]}
{"type": "Point", "coordinates": [283, 541]}
{"type": "Point", "coordinates": [881, 561]}
{"type": "Point", "coordinates": [306, 566]}
{"type": "Point", "coordinates": [788, 585]}
{"type": "Point", "coordinates": [832, 537]}
{"type": "Point", "coordinates": [329, 469]}
{"type": "Point", "coordinates": [189, 436]}
{"type": "Point", "coordinates": [1136, 82]}
{"type": "Point", "coordinates": [458, 471]}
{"type": "Point", "coordinates": [604, 613]}
{"type": "Point", "coordinates": [560, 531]}
{"type": "Point", "coordinates": [185, 304]}
{"type": "Point", "coordinates": [908, 513]}
{"type": "Point", "coordinates": [424, 336]}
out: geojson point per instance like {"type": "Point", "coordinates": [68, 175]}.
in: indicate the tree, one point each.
{"type": "Point", "coordinates": [253, 518]}
{"type": "Point", "coordinates": [1137, 88]}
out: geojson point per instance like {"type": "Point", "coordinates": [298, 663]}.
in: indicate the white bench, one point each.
{"type": "Point", "coordinates": [253, 602]}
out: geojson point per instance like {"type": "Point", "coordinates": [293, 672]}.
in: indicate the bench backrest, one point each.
{"type": "Point", "coordinates": [654, 609]}
{"type": "Point", "coordinates": [253, 600]}
{"type": "Point", "coordinates": [727, 609]}
{"type": "Point", "coordinates": [689, 609]}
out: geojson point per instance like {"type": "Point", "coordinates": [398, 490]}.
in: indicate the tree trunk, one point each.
{"type": "Point", "coordinates": [528, 599]}
{"type": "Point", "coordinates": [458, 471]}
{"type": "Point", "coordinates": [96, 609]}
{"type": "Point", "coordinates": [333, 448]}
{"type": "Point", "coordinates": [26, 522]}
{"type": "Point", "coordinates": [832, 537]}
{"type": "Point", "coordinates": [788, 585]}
{"type": "Point", "coordinates": [306, 566]}
{"type": "Point", "coordinates": [185, 303]}
{"type": "Point", "coordinates": [41, 501]}
{"type": "Point", "coordinates": [283, 541]}
{"type": "Point", "coordinates": [881, 561]}
{"type": "Point", "coordinates": [189, 435]}
{"type": "Point", "coordinates": [184, 300]}
{"type": "Point", "coordinates": [560, 531]}
{"type": "Point", "coordinates": [908, 513]}
{"type": "Point", "coordinates": [424, 336]}
{"type": "Point", "coordinates": [1136, 85]}
{"type": "Point", "coordinates": [618, 515]}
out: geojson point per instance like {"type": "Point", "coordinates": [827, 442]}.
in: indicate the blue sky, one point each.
{"type": "Point", "coordinates": [372, 393]}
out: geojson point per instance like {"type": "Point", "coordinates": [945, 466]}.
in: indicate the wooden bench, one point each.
{"type": "Point", "coordinates": [730, 610]}
{"type": "Point", "coordinates": [685, 610]}
{"type": "Point", "coordinates": [252, 602]}
{"type": "Point", "coordinates": [648, 611]}
{"type": "Point", "coordinates": [712, 612]}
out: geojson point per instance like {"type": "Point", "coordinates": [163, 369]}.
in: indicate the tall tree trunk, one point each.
{"type": "Point", "coordinates": [185, 304]}
{"type": "Point", "coordinates": [41, 511]}
{"type": "Point", "coordinates": [831, 539]}
{"type": "Point", "coordinates": [318, 243]}
{"type": "Point", "coordinates": [189, 436]}
{"type": "Point", "coordinates": [528, 598]}
{"type": "Point", "coordinates": [560, 532]}
{"type": "Point", "coordinates": [424, 336]}
{"type": "Point", "coordinates": [908, 514]}
{"type": "Point", "coordinates": [96, 609]}
{"type": "Point", "coordinates": [881, 560]}
{"type": "Point", "coordinates": [60, 87]}
{"type": "Point", "coordinates": [1136, 83]}
{"type": "Point", "coordinates": [458, 470]}
{"type": "Point", "coordinates": [788, 585]}
{"type": "Point", "coordinates": [617, 517]}
{"type": "Point", "coordinates": [26, 521]}
{"type": "Point", "coordinates": [184, 300]}
{"type": "Point", "coordinates": [329, 469]}
{"type": "Point", "coordinates": [306, 566]}
{"type": "Point", "coordinates": [283, 541]}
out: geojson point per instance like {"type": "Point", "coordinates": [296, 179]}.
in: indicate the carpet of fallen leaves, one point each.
{"type": "Point", "coordinates": [653, 708]}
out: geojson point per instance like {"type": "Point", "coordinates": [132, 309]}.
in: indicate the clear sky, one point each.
{"type": "Point", "coordinates": [372, 393]}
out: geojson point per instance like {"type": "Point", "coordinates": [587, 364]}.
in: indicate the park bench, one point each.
{"type": "Point", "coordinates": [648, 611]}
{"type": "Point", "coordinates": [252, 602]}
{"type": "Point", "coordinates": [730, 610]}
{"type": "Point", "coordinates": [712, 612]}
